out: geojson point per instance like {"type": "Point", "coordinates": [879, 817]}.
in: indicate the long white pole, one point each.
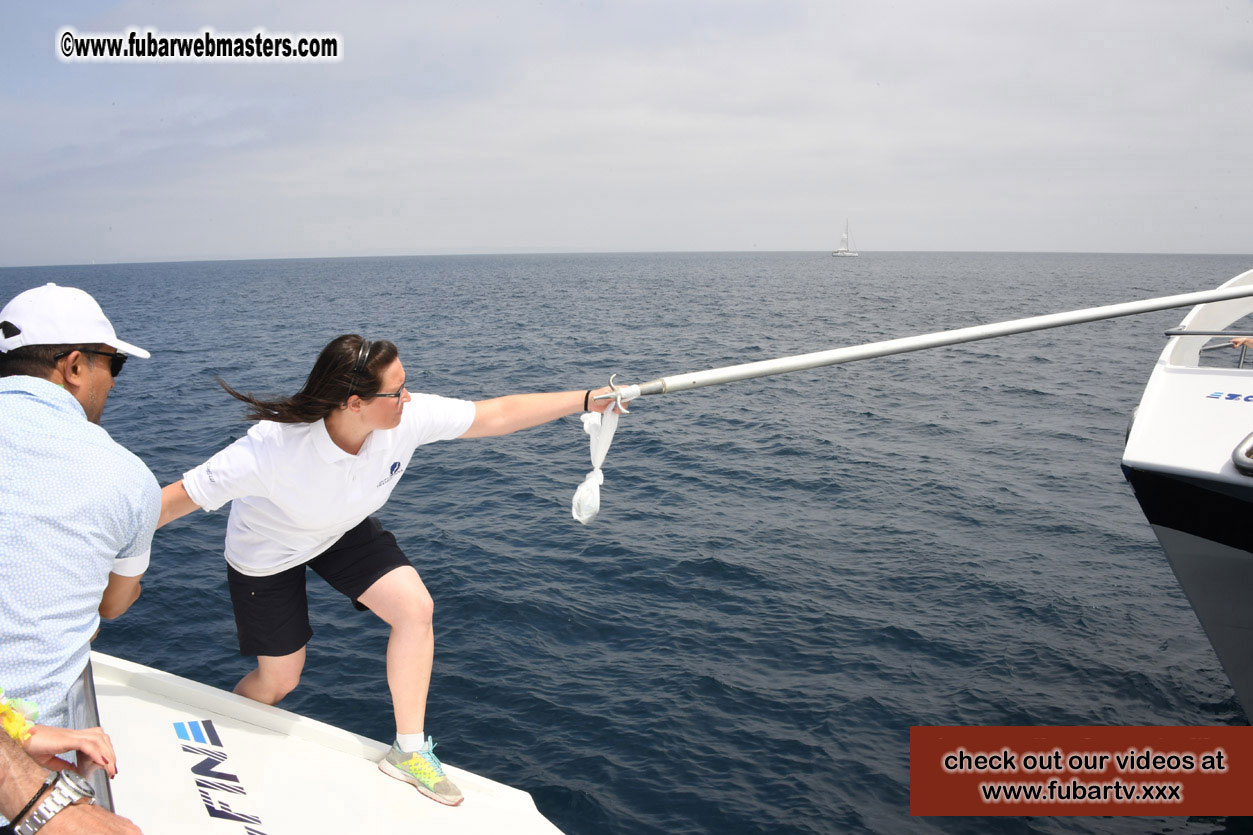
{"type": "Point", "coordinates": [870, 350]}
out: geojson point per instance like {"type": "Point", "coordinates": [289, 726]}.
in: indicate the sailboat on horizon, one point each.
{"type": "Point", "coordinates": [847, 248]}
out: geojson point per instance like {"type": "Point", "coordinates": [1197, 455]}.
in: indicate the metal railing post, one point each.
{"type": "Point", "coordinates": [85, 713]}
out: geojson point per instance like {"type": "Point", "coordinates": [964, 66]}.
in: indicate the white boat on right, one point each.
{"type": "Point", "coordinates": [847, 248]}
{"type": "Point", "coordinates": [1188, 460]}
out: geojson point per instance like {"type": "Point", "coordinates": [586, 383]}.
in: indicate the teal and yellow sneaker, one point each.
{"type": "Point", "coordinates": [423, 770]}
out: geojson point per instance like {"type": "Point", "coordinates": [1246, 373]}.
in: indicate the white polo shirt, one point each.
{"type": "Point", "coordinates": [293, 492]}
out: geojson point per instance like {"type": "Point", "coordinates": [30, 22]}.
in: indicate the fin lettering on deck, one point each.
{"type": "Point", "coordinates": [200, 739]}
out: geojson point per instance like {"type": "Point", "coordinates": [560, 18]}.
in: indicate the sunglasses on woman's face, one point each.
{"type": "Point", "coordinates": [396, 394]}
{"type": "Point", "coordinates": [116, 361]}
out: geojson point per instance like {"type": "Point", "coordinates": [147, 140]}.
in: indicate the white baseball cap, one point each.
{"type": "Point", "coordinates": [52, 315]}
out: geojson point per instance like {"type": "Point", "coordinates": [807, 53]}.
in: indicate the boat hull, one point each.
{"type": "Point", "coordinates": [1206, 532]}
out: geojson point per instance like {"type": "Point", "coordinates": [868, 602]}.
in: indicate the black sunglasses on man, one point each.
{"type": "Point", "coordinates": [116, 361]}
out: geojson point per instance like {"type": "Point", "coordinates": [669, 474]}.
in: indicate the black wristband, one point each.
{"type": "Point", "coordinates": [48, 781]}
{"type": "Point", "coordinates": [585, 397]}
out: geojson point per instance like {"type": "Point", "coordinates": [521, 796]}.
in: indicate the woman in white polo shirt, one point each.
{"type": "Point", "coordinates": [302, 485]}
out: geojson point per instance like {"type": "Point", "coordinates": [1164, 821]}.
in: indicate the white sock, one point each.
{"type": "Point", "coordinates": [409, 743]}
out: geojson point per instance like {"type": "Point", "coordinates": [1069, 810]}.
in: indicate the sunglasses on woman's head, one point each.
{"type": "Point", "coordinates": [363, 357]}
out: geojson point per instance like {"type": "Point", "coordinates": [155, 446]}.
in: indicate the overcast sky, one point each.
{"type": "Point", "coordinates": [484, 126]}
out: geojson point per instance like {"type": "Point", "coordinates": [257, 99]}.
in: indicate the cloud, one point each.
{"type": "Point", "coordinates": [639, 126]}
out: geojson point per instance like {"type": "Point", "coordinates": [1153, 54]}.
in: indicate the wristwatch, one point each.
{"type": "Point", "coordinates": [68, 788]}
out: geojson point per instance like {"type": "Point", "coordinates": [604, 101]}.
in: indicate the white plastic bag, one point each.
{"type": "Point", "coordinates": [600, 426]}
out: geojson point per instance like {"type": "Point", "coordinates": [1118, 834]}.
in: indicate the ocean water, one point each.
{"type": "Point", "coordinates": [786, 574]}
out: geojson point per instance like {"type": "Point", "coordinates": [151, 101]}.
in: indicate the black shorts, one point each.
{"type": "Point", "coordinates": [272, 612]}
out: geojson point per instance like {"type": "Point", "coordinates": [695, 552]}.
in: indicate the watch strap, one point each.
{"type": "Point", "coordinates": [63, 794]}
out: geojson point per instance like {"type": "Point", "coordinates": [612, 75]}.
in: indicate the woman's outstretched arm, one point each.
{"type": "Point", "coordinates": [175, 503]}
{"type": "Point", "coordinates": [503, 415]}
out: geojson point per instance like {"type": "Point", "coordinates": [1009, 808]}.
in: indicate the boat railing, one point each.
{"type": "Point", "coordinates": [1242, 455]}
{"type": "Point", "coordinates": [1228, 334]}
{"type": "Point", "coordinates": [84, 713]}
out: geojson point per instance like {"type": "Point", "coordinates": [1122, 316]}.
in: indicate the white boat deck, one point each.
{"type": "Point", "coordinates": [195, 759]}
{"type": "Point", "coordinates": [1164, 437]}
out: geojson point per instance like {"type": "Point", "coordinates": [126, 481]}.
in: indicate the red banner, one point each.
{"type": "Point", "coordinates": [1042, 770]}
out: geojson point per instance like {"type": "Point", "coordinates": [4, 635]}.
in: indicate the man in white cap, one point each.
{"type": "Point", "coordinates": [77, 510]}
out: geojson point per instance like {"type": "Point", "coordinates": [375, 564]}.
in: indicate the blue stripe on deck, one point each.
{"type": "Point", "coordinates": [181, 730]}
{"type": "Point", "coordinates": [196, 732]}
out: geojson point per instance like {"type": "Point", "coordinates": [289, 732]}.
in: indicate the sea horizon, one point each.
{"type": "Point", "coordinates": [559, 252]}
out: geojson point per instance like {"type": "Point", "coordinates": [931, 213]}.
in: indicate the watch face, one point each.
{"type": "Point", "coordinates": [77, 783]}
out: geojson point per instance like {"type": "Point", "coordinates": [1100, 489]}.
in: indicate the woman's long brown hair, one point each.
{"type": "Point", "coordinates": [336, 374]}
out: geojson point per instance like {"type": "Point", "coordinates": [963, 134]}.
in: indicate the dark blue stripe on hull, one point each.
{"type": "Point", "coordinates": [1218, 512]}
